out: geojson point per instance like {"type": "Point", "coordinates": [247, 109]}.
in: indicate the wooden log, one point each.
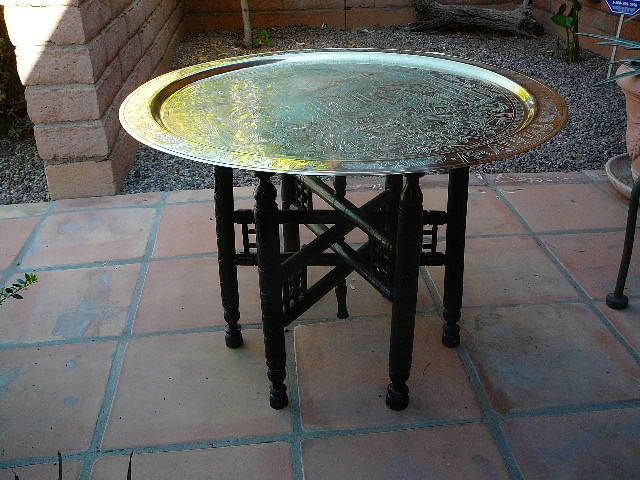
{"type": "Point", "coordinates": [434, 16]}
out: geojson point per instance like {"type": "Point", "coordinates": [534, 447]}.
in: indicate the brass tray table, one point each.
{"type": "Point", "coordinates": [310, 114]}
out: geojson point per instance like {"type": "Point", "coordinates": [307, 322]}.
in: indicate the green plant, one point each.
{"type": "Point", "coordinates": [262, 38]}
{"type": "Point", "coordinates": [632, 62]}
{"type": "Point", "coordinates": [569, 21]}
{"type": "Point", "coordinates": [14, 121]}
{"type": "Point", "coordinates": [19, 285]}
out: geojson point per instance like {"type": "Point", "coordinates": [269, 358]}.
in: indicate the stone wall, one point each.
{"type": "Point", "coordinates": [225, 14]}
{"type": "Point", "coordinates": [78, 60]}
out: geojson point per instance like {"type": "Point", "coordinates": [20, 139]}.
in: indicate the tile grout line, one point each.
{"type": "Point", "coordinates": [361, 189]}
{"type": "Point", "coordinates": [582, 293]}
{"type": "Point", "coordinates": [491, 417]}
{"type": "Point", "coordinates": [240, 198]}
{"type": "Point", "coordinates": [153, 205]}
{"type": "Point", "coordinates": [557, 181]}
{"type": "Point", "coordinates": [51, 211]}
{"type": "Point", "coordinates": [55, 343]}
{"type": "Point", "coordinates": [314, 434]}
{"type": "Point", "coordinates": [20, 217]}
{"type": "Point", "coordinates": [294, 405]}
{"type": "Point", "coordinates": [569, 409]}
{"type": "Point", "coordinates": [185, 331]}
{"type": "Point", "coordinates": [164, 333]}
{"type": "Point", "coordinates": [213, 254]}
{"type": "Point", "coordinates": [118, 356]}
{"type": "Point", "coordinates": [30, 461]}
{"type": "Point", "coordinates": [494, 419]}
{"type": "Point", "coordinates": [241, 441]}
{"type": "Point", "coordinates": [258, 326]}
{"type": "Point", "coordinates": [150, 206]}
{"type": "Point", "coordinates": [116, 262]}
{"type": "Point", "coordinates": [305, 435]}
{"type": "Point", "coordinates": [9, 272]}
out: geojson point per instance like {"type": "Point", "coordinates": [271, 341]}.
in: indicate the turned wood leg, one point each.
{"type": "Point", "coordinates": [291, 239]}
{"type": "Point", "coordinates": [225, 235]}
{"type": "Point", "coordinates": [291, 231]}
{"type": "Point", "coordinates": [268, 245]}
{"type": "Point", "coordinates": [405, 291]}
{"type": "Point", "coordinates": [340, 187]}
{"type": "Point", "coordinates": [454, 261]}
{"type": "Point", "coordinates": [393, 187]}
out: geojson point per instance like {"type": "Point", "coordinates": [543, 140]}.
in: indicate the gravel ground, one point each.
{"type": "Point", "coordinates": [21, 172]}
{"type": "Point", "coordinates": [594, 133]}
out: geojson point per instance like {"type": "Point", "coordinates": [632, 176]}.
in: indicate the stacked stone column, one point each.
{"type": "Point", "coordinates": [78, 60]}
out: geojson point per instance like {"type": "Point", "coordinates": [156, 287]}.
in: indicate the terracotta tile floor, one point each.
{"type": "Point", "coordinates": [120, 348]}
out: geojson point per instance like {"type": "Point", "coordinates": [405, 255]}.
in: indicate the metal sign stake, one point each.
{"type": "Point", "coordinates": [615, 47]}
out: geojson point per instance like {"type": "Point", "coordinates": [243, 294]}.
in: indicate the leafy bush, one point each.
{"type": "Point", "coordinates": [14, 122]}
{"type": "Point", "coordinates": [262, 38]}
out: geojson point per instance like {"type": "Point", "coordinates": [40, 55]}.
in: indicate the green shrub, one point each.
{"type": "Point", "coordinates": [262, 38]}
{"type": "Point", "coordinates": [14, 122]}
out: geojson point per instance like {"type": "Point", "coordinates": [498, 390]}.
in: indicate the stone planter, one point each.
{"type": "Point", "coordinates": [619, 173]}
{"type": "Point", "coordinates": [631, 88]}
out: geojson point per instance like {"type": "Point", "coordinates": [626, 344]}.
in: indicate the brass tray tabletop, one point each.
{"type": "Point", "coordinates": [343, 112]}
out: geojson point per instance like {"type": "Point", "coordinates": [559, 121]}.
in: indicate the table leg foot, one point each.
{"type": "Point", "coordinates": [278, 398]}
{"type": "Point", "coordinates": [397, 396]}
{"type": "Point", "coordinates": [223, 188]}
{"type": "Point", "coordinates": [617, 303]}
{"type": "Point", "coordinates": [233, 337]}
{"type": "Point", "coordinates": [341, 297]}
{"type": "Point", "coordinates": [451, 330]}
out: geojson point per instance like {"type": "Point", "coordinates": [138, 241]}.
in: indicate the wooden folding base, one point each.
{"type": "Point", "coordinates": [401, 238]}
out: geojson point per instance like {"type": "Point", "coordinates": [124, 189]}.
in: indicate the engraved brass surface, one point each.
{"type": "Point", "coordinates": [343, 111]}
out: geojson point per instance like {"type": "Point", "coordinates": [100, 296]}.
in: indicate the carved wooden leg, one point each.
{"type": "Point", "coordinates": [405, 291]}
{"type": "Point", "coordinates": [223, 188]}
{"type": "Point", "coordinates": [268, 242]}
{"type": "Point", "coordinates": [291, 234]}
{"type": "Point", "coordinates": [454, 262]}
{"type": "Point", "coordinates": [291, 231]}
{"type": "Point", "coordinates": [340, 186]}
{"type": "Point", "coordinates": [393, 187]}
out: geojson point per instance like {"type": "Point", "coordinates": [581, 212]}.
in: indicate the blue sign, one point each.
{"type": "Point", "coordinates": [624, 7]}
